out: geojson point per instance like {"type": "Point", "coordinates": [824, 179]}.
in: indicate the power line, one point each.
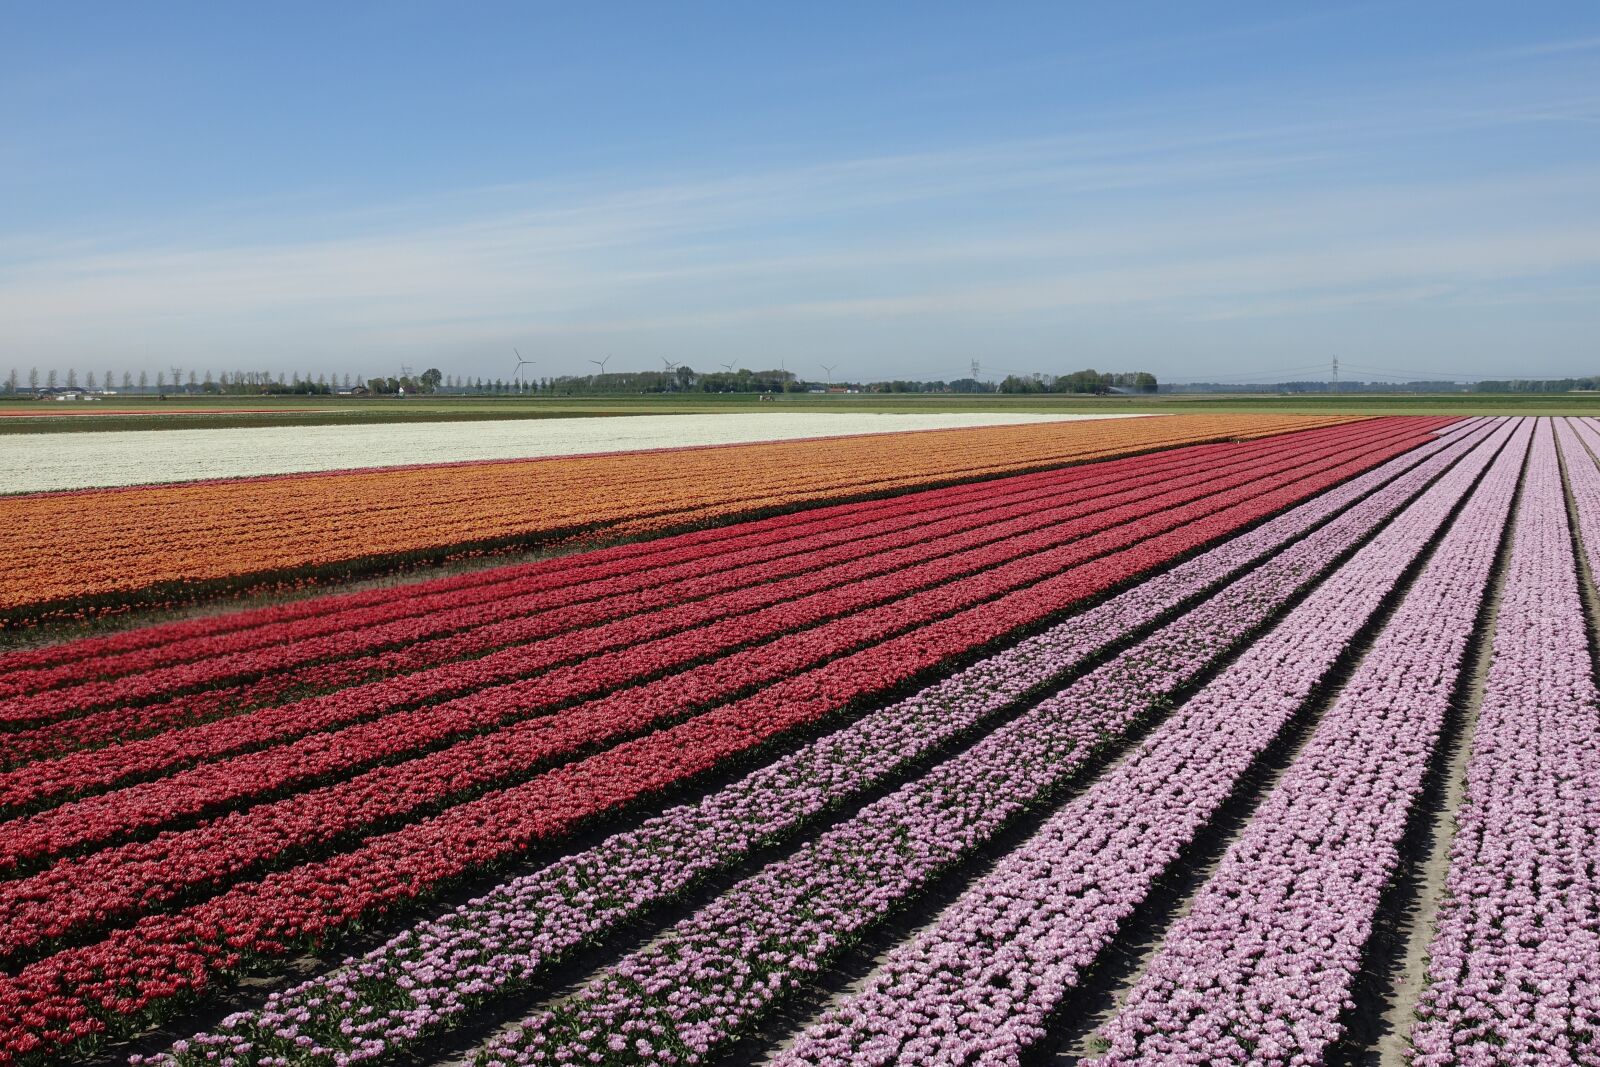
{"type": "Point", "coordinates": [1285, 374]}
{"type": "Point", "coordinates": [1425, 375]}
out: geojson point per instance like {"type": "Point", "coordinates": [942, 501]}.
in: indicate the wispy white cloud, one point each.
{"type": "Point", "coordinates": [1549, 48]}
{"type": "Point", "coordinates": [1212, 223]}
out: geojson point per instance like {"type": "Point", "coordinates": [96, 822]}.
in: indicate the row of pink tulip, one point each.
{"type": "Point", "coordinates": [980, 984]}
{"type": "Point", "coordinates": [714, 977]}
{"type": "Point", "coordinates": [1514, 968]}
{"type": "Point", "coordinates": [1266, 960]}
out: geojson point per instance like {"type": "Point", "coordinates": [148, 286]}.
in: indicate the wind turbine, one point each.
{"type": "Point", "coordinates": [520, 364]}
{"type": "Point", "coordinates": [828, 370]}
{"type": "Point", "coordinates": [730, 366]}
{"type": "Point", "coordinates": [672, 373]}
{"type": "Point", "coordinates": [601, 363]}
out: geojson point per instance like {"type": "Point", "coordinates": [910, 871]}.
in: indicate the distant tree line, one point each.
{"type": "Point", "coordinates": [1314, 387]}
{"type": "Point", "coordinates": [671, 379]}
{"type": "Point", "coordinates": [1530, 385]}
{"type": "Point", "coordinates": [1081, 381]}
{"type": "Point", "coordinates": [960, 385]}
{"type": "Point", "coordinates": [229, 383]}
{"type": "Point", "coordinates": [1536, 385]}
{"type": "Point", "coordinates": [684, 379]}
{"type": "Point", "coordinates": [677, 379]}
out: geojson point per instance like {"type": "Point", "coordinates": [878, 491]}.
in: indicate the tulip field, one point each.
{"type": "Point", "coordinates": [107, 545]}
{"type": "Point", "coordinates": [1190, 740]}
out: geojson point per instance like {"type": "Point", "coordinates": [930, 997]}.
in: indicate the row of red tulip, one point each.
{"type": "Point", "coordinates": [189, 639]}
{"type": "Point", "coordinates": [568, 676]}
{"type": "Point", "coordinates": [687, 602]}
{"type": "Point", "coordinates": [597, 563]}
{"type": "Point", "coordinates": [98, 820]}
{"type": "Point", "coordinates": [674, 561]}
{"type": "Point", "coordinates": [111, 884]}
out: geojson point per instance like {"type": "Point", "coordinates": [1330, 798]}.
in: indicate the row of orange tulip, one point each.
{"type": "Point", "coordinates": [77, 549]}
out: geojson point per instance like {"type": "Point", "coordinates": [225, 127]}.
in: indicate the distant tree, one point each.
{"type": "Point", "coordinates": [11, 381]}
{"type": "Point", "coordinates": [1083, 381]}
{"type": "Point", "coordinates": [33, 378]}
{"type": "Point", "coordinates": [430, 379]}
{"type": "Point", "coordinates": [88, 383]}
{"type": "Point", "coordinates": [51, 380]}
{"type": "Point", "coordinates": [72, 378]}
{"type": "Point", "coordinates": [110, 381]}
{"type": "Point", "coordinates": [127, 379]}
{"type": "Point", "coordinates": [144, 380]}
{"type": "Point", "coordinates": [161, 381]}
{"type": "Point", "coordinates": [347, 381]}
{"type": "Point", "coordinates": [686, 376]}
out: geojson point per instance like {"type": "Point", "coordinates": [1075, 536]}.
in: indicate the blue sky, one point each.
{"type": "Point", "coordinates": [1200, 190]}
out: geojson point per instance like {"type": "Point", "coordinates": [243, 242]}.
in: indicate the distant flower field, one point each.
{"type": "Point", "coordinates": [39, 463]}
{"type": "Point", "coordinates": [1121, 742]}
{"type": "Point", "coordinates": [97, 548]}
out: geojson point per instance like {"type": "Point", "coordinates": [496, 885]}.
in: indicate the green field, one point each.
{"type": "Point", "coordinates": [323, 411]}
